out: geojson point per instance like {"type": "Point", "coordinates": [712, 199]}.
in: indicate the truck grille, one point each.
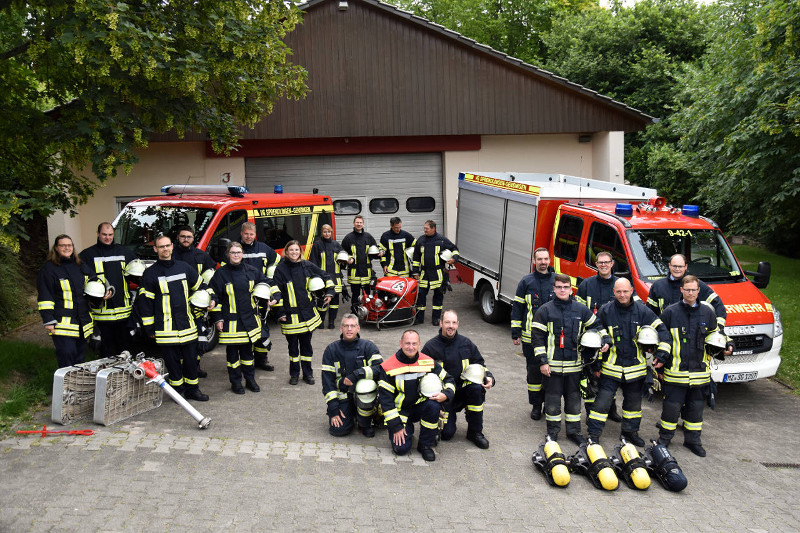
{"type": "Point", "coordinates": [757, 343]}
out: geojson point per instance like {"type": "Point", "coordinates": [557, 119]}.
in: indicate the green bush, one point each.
{"type": "Point", "coordinates": [14, 291]}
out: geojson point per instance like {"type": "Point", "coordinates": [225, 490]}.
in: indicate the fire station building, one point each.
{"type": "Point", "coordinates": [397, 107]}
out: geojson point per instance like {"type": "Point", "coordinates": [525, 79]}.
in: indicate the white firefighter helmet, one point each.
{"type": "Point", "coordinates": [475, 373]}
{"type": "Point", "coordinates": [207, 275]}
{"type": "Point", "coordinates": [200, 299]}
{"type": "Point", "coordinates": [135, 268]}
{"type": "Point", "coordinates": [446, 255]}
{"type": "Point", "coordinates": [591, 339]}
{"type": "Point", "coordinates": [430, 385]}
{"type": "Point", "coordinates": [716, 343]}
{"type": "Point", "coordinates": [373, 252]}
{"type": "Point", "coordinates": [366, 391]}
{"type": "Point", "coordinates": [410, 253]}
{"type": "Point", "coordinates": [647, 338]}
{"type": "Point", "coordinates": [343, 257]}
{"type": "Point", "coordinates": [95, 292]}
{"type": "Point", "coordinates": [316, 284]}
{"type": "Point", "coordinates": [262, 291]}
{"type": "Point", "coordinates": [271, 271]}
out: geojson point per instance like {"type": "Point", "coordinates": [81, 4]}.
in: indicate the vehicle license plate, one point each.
{"type": "Point", "coordinates": [740, 377]}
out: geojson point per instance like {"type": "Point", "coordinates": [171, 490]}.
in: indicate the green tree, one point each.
{"type": "Point", "coordinates": [636, 55]}
{"type": "Point", "coordinates": [83, 83]}
{"type": "Point", "coordinates": [514, 27]}
{"type": "Point", "coordinates": [740, 129]}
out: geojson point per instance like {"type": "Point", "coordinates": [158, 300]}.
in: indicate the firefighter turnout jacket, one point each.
{"type": "Point", "coordinates": [197, 258]}
{"type": "Point", "coordinates": [455, 355]}
{"type": "Point", "coordinates": [61, 301]}
{"type": "Point", "coordinates": [688, 363]}
{"type": "Point", "coordinates": [296, 303]}
{"type": "Point", "coordinates": [107, 262]}
{"type": "Point", "coordinates": [259, 255]}
{"type": "Point", "coordinates": [667, 291]}
{"type": "Point", "coordinates": [398, 386]}
{"type": "Point", "coordinates": [427, 261]}
{"type": "Point", "coordinates": [624, 361]}
{"type": "Point", "coordinates": [343, 359]}
{"type": "Point", "coordinates": [356, 244]}
{"type": "Point", "coordinates": [533, 291]}
{"type": "Point", "coordinates": [557, 329]}
{"type": "Point", "coordinates": [166, 289]}
{"type": "Point", "coordinates": [323, 254]}
{"type": "Point", "coordinates": [596, 291]}
{"type": "Point", "coordinates": [232, 288]}
{"type": "Point", "coordinates": [394, 247]}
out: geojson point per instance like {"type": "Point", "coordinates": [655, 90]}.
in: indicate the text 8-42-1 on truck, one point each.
{"type": "Point", "coordinates": [504, 217]}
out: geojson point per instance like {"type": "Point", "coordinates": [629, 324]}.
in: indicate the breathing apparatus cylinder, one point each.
{"type": "Point", "coordinates": [663, 465]}
{"type": "Point", "coordinates": [556, 467]}
{"type": "Point", "coordinates": [632, 466]}
{"type": "Point", "coordinates": [600, 468]}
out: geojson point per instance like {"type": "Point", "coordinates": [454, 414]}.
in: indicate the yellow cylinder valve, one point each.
{"type": "Point", "coordinates": [608, 479]}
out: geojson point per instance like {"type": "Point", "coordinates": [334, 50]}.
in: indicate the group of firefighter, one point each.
{"type": "Point", "coordinates": [589, 345]}
{"type": "Point", "coordinates": [605, 339]}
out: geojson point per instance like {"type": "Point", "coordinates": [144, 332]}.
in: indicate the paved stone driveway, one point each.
{"type": "Point", "coordinates": [268, 463]}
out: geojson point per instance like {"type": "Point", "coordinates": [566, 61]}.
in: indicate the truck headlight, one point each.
{"type": "Point", "coordinates": [778, 325]}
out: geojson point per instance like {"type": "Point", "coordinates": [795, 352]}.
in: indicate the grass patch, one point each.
{"type": "Point", "coordinates": [26, 381]}
{"type": "Point", "coordinates": [784, 285]}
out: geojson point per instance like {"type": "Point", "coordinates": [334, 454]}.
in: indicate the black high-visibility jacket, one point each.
{"type": "Point", "coordinates": [557, 329]}
{"type": "Point", "coordinates": [667, 291]}
{"type": "Point", "coordinates": [323, 254]}
{"type": "Point", "coordinates": [342, 359]}
{"type": "Point", "coordinates": [596, 291]}
{"type": "Point", "coordinates": [454, 355]}
{"type": "Point", "coordinates": [166, 314]}
{"type": "Point", "coordinates": [394, 246]}
{"type": "Point", "coordinates": [197, 258]}
{"type": "Point", "coordinates": [297, 304]}
{"type": "Point", "coordinates": [232, 287]}
{"type": "Point", "coordinates": [61, 301]}
{"type": "Point", "coordinates": [427, 261]}
{"type": "Point", "coordinates": [356, 244]}
{"type": "Point", "coordinates": [533, 291]}
{"type": "Point", "coordinates": [107, 262]}
{"type": "Point", "coordinates": [688, 361]}
{"type": "Point", "coordinates": [259, 255]}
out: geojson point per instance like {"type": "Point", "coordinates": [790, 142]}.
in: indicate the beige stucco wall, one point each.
{"type": "Point", "coordinates": [601, 158]}
{"type": "Point", "coordinates": [185, 162]}
{"type": "Point", "coordinates": [159, 164]}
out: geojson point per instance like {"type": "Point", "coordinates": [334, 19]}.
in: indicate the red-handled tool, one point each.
{"type": "Point", "coordinates": [44, 432]}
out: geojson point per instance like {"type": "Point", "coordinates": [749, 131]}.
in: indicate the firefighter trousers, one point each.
{"type": "Point", "coordinates": [427, 413]}
{"type": "Point", "coordinates": [333, 310]}
{"type": "Point", "coordinates": [534, 375]}
{"type": "Point", "coordinates": [300, 354]}
{"type": "Point", "coordinates": [350, 414]}
{"type": "Point", "coordinates": [69, 350]}
{"type": "Point", "coordinates": [688, 402]}
{"type": "Point", "coordinates": [262, 346]}
{"type": "Point", "coordinates": [115, 336]}
{"type": "Point", "coordinates": [240, 362]}
{"type": "Point", "coordinates": [565, 386]}
{"type": "Point", "coordinates": [631, 405]}
{"type": "Point", "coordinates": [470, 399]}
{"type": "Point", "coordinates": [436, 307]}
{"type": "Point", "coordinates": [181, 363]}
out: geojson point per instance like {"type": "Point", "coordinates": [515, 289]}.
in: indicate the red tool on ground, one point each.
{"type": "Point", "coordinates": [44, 432]}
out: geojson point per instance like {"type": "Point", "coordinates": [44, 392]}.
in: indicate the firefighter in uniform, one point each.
{"type": "Point", "coordinates": [297, 310]}
{"type": "Point", "coordinates": [533, 291]}
{"type": "Point", "coordinates": [323, 254]}
{"type": "Point", "coordinates": [557, 329]}
{"type": "Point", "coordinates": [594, 292]}
{"type": "Point", "coordinates": [429, 268]}
{"type": "Point", "coordinates": [667, 291]}
{"type": "Point", "coordinates": [235, 315]}
{"type": "Point", "coordinates": [261, 256]}
{"type": "Point", "coordinates": [106, 261]}
{"type": "Point", "coordinates": [64, 310]}
{"type": "Point", "coordinates": [624, 365]}
{"type": "Point", "coordinates": [344, 363]}
{"type": "Point", "coordinates": [185, 251]}
{"type": "Point", "coordinates": [167, 286]}
{"type": "Point", "coordinates": [686, 368]}
{"type": "Point", "coordinates": [455, 352]}
{"type": "Point", "coordinates": [359, 273]}
{"type": "Point", "coordinates": [393, 245]}
{"type": "Point", "coordinates": [402, 401]}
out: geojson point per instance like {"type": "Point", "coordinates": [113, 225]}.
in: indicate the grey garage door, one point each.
{"type": "Point", "coordinates": [378, 187]}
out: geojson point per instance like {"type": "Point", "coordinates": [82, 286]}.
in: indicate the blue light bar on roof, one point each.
{"type": "Point", "coordinates": [229, 190]}
{"type": "Point", "coordinates": [691, 211]}
{"type": "Point", "coordinates": [624, 210]}
{"type": "Point", "coordinates": [278, 189]}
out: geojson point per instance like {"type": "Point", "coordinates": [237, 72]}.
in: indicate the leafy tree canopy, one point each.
{"type": "Point", "coordinates": [83, 83]}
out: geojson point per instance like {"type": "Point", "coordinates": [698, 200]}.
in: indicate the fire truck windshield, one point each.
{"type": "Point", "coordinates": [708, 254]}
{"type": "Point", "coordinates": [138, 225]}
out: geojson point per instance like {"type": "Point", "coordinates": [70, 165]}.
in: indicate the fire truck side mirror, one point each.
{"type": "Point", "coordinates": [762, 275]}
{"type": "Point", "coordinates": [217, 250]}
